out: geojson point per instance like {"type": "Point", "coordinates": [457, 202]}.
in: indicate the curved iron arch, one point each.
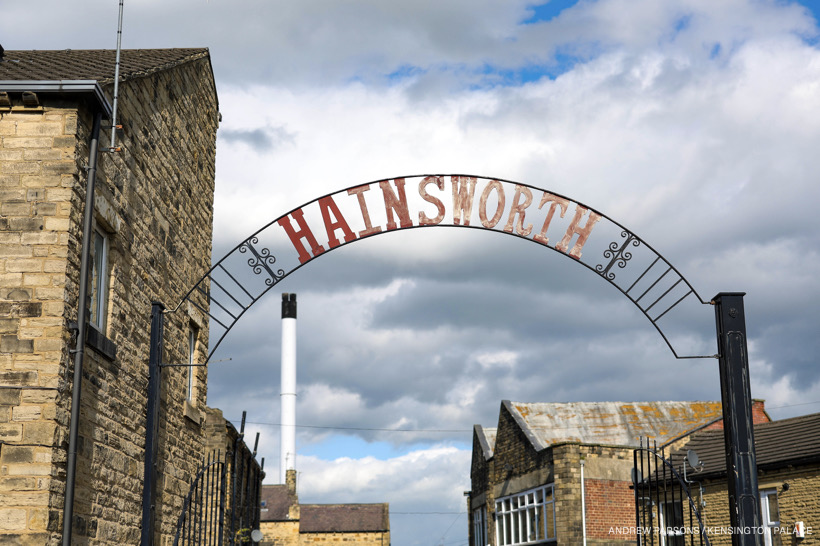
{"type": "Point", "coordinates": [248, 271]}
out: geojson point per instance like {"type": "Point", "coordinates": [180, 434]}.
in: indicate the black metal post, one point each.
{"type": "Point", "coordinates": [152, 424]}
{"type": "Point", "coordinates": [738, 423]}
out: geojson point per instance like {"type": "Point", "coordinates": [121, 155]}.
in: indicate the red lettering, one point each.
{"type": "Point", "coordinates": [423, 219]}
{"type": "Point", "coordinates": [368, 227]}
{"type": "Point", "coordinates": [518, 208]}
{"type": "Point", "coordinates": [328, 207]}
{"type": "Point", "coordinates": [395, 203]}
{"type": "Point", "coordinates": [303, 233]}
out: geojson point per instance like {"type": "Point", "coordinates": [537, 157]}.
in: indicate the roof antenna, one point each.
{"type": "Point", "coordinates": [114, 126]}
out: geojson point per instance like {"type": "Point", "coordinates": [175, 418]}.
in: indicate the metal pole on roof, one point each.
{"type": "Point", "coordinates": [71, 468]}
{"type": "Point", "coordinates": [113, 147]}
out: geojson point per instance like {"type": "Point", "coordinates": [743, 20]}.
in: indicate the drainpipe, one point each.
{"type": "Point", "coordinates": [71, 470]}
{"type": "Point", "coordinates": [583, 505]}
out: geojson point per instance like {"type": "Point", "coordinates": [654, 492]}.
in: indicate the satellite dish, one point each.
{"type": "Point", "coordinates": [256, 535]}
{"type": "Point", "coordinates": [636, 476]}
{"type": "Point", "coordinates": [693, 460]}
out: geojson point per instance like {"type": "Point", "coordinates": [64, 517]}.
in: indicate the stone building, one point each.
{"type": "Point", "coordinates": [526, 474]}
{"type": "Point", "coordinates": [285, 522]}
{"type": "Point", "coordinates": [788, 474]}
{"type": "Point", "coordinates": [151, 241]}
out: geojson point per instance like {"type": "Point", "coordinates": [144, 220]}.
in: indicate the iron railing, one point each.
{"type": "Point", "coordinates": [665, 512]}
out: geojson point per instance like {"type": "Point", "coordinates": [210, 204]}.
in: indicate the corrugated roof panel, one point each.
{"type": "Point", "coordinates": [611, 423]}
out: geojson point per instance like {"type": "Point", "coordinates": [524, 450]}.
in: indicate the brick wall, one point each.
{"type": "Point", "coordinates": [610, 504]}
{"type": "Point", "coordinates": [154, 200]}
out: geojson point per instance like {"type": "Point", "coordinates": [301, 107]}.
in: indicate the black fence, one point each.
{"type": "Point", "coordinates": [666, 514]}
{"type": "Point", "coordinates": [222, 506]}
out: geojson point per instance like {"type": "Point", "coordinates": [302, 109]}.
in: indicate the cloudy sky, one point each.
{"type": "Point", "coordinates": [694, 123]}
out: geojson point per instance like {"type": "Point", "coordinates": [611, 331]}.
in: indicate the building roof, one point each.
{"type": "Point", "coordinates": [91, 64]}
{"type": "Point", "coordinates": [344, 518]}
{"type": "Point", "coordinates": [486, 437]}
{"type": "Point", "coordinates": [275, 503]}
{"type": "Point", "coordinates": [777, 444]}
{"type": "Point", "coordinates": [610, 423]}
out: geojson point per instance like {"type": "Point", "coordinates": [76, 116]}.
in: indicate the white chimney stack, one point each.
{"type": "Point", "coordinates": [287, 444]}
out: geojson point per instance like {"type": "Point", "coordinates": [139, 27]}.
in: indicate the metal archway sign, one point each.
{"type": "Point", "coordinates": [550, 220]}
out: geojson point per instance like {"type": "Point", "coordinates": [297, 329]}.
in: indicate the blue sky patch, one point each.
{"type": "Point", "coordinates": [547, 11]}
{"type": "Point", "coordinates": [336, 446]}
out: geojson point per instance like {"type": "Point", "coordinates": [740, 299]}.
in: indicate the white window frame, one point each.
{"type": "Point", "coordinates": [765, 516]}
{"type": "Point", "coordinates": [99, 281]}
{"type": "Point", "coordinates": [480, 526]}
{"type": "Point", "coordinates": [517, 517]}
{"type": "Point", "coordinates": [673, 539]}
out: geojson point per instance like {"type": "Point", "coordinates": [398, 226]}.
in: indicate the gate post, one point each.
{"type": "Point", "coordinates": [738, 429]}
{"type": "Point", "coordinates": [152, 423]}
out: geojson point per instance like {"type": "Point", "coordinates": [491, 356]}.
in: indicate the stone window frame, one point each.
{"type": "Point", "coordinates": [190, 382]}
{"type": "Point", "coordinates": [514, 513]}
{"type": "Point", "coordinates": [190, 404]}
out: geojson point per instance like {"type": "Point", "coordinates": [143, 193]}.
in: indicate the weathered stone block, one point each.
{"type": "Point", "coordinates": [17, 454]}
{"type": "Point", "coordinates": [56, 224]}
{"type": "Point", "coordinates": [9, 325]}
{"type": "Point", "coordinates": [21, 309]}
{"type": "Point", "coordinates": [25, 224]}
{"type": "Point", "coordinates": [26, 413]}
{"type": "Point", "coordinates": [18, 379]}
{"type": "Point", "coordinates": [11, 432]}
{"type": "Point", "coordinates": [39, 433]}
{"type": "Point", "coordinates": [12, 344]}
{"type": "Point", "coordinates": [19, 167]}
{"type": "Point", "coordinates": [12, 519]}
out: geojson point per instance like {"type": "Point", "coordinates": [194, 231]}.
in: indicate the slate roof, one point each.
{"type": "Point", "coordinates": [344, 518]}
{"type": "Point", "coordinates": [91, 64]}
{"type": "Point", "coordinates": [275, 503]}
{"type": "Point", "coordinates": [610, 423]}
{"type": "Point", "coordinates": [778, 444]}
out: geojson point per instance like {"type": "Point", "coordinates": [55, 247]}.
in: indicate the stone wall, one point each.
{"type": "Point", "coordinates": [154, 201]}
{"type": "Point", "coordinates": [359, 539]}
{"type": "Point", "coordinates": [37, 173]}
{"type": "Point", "coordinates": [799, 501]}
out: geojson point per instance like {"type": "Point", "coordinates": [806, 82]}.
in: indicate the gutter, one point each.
{"type": "Point", "coordinates": [91, 87]}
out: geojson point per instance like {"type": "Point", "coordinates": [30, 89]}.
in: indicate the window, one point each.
{"type": "Point", "coordinates": [770, 515]}
{"type": "Point", "coordinates": [526, 518]}
{"type": "Point", "coordinates": [99, 284]}
{"type": "Point", "coordinates": [480, 526]}
{"type": "Point", "coordinates": [189, 391]}
{"type": "Point", "coordinates": [672, 525]}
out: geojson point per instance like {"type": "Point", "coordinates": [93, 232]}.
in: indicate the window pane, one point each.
{"type": "Point", "coordinates": [191, 351]}
{"type": "Point", "coordinates": [507, 529]}
{"type": "Point", "coordinates": [98, 288]}
{"type": "Point", "coordinates": [549, 513]}
{"type": "Point", "coordinates": [774, 512]}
